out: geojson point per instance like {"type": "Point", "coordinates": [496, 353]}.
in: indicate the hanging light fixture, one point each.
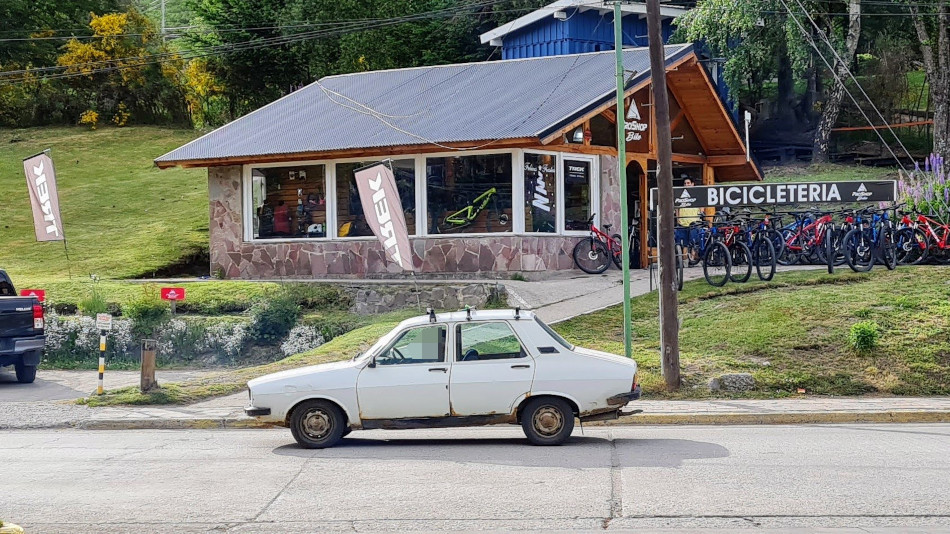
{"type": "Point", "coordinates": [578, 135]}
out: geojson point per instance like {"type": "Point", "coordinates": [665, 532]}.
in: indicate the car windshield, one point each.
{"type": "Point", "coordinates": [557, 337]}
{"type": "Point", "coordinates": [380, 343]}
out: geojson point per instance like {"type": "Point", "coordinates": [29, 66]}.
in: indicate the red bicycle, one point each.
{"type": "Point", "coordinates": [593, 254]}
{"type": "Point", "coordinates": [923, 237]}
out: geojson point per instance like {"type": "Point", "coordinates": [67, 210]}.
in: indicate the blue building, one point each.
{"type": "Point", "coordinates": [575, 27]}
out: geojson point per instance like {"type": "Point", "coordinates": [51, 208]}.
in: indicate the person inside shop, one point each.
{"type": "Point", "coordinates": [685, 235]}
{"type": "Point", "coordinates": [281, 219]}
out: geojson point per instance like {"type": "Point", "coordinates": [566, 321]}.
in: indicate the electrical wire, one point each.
{"type": "Point", "coordinates": [824, 37]}
{"type": "Point", "coordinates": [834, 73]}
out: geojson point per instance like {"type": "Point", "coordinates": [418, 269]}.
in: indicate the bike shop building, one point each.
{"type": "Point", "coordinates": [499, 164]}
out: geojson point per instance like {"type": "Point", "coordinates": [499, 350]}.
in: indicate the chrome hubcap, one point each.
{"type": "Point", "coordinates": [548, 421]}
{"type": "Point", "coordinates": [316, 424]}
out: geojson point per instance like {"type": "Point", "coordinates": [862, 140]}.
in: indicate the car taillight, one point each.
{"type": "Point", "coordinates": [636, 380]}
{"type": "Point", "coordinates": [38, 322]}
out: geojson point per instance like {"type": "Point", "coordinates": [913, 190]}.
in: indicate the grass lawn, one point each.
{"type": "Point", "coordinates": [793, 333]}
{"type": "Point", "coordinates": [789, 333]}
{"type": "Point", "coordinates": [122, 216]}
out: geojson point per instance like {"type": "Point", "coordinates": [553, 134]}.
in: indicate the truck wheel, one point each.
{"type": "Point", "coordinates": [317, 424]}
{"type": "Point", "coordinates": [547, 421]}
{"type": "Point", "coordinates": [25, 374]}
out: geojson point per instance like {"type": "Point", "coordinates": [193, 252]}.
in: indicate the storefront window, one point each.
{"type": "Point", "coordinates": [289, 202]}
{"type": "Point", "coordinates": [350, 220]}
{"type": "Point", "coordinates": [577, 194]}
{"type": "Point", "coordinates": [469, 194]}
{"type": "Point", "coordinates": [540, 193]}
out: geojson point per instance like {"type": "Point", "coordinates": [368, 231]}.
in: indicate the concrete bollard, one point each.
{"type": "Point", "coordinates": [148, 365]}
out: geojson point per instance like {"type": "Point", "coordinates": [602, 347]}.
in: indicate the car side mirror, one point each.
{"type": "Point", "coordinates": [372, 363]}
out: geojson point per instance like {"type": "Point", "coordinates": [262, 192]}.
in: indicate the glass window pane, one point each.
{"type": "Point", "coordinates": [577, 194]}
{"type": "Point", "coordinates": [487, 341]}
{"type": "Point", "coordinates": [289, 202]}
{"type": "Point", "coordinates": [350, 219]}
{"type": "Point", "coordinates": [540, 193]}
{"type": "Point", "coordinates": [469, 194]}
{"type": "Point", "coordinates": [420, 345]}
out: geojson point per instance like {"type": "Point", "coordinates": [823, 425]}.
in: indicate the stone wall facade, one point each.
{"type": "Point", "coordinates": [381, 298]}
{"type": "Point", "coordinates": [457, 256]}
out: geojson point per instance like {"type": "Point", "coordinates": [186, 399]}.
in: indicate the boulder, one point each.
{"type": "Point", "coordinates": [735, 382]}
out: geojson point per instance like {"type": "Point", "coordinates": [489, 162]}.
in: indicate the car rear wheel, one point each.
{"type": "Point", "coordinates": [547, 421]}
{"type": "Point", "coordinates": [25, 374]}
{"type": "Point", "coordinates": [317, 424]}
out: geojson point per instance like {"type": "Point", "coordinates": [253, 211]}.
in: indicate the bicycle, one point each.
{"type": "Point", "coordinates": [918, 238]}
{"type": "Point", "coordinates": [870, 241]}
{"type": "Point", "coordinates": [467, 215]}
{"type": "Point", "coordinates": [711, 252]}
{"type": "Point", "coordinates": [593, 254]}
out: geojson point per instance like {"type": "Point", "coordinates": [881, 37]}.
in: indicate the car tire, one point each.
{"type": "Point", "coordinates": [317, 424]}
{"type": "Point", "coordinates": [547, 421]}
{"type": "Point", "coordinates": [25, 374]}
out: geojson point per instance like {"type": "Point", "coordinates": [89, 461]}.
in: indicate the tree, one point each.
{"type": "Point", "coordinates": [935, 49]}
{"type": "Point", "coordinates": [832, 104]}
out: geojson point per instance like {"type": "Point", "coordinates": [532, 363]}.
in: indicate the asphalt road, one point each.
{"type": "Point", "coordinates": [888, 477]}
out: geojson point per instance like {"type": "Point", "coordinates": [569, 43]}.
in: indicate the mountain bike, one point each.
{"type": "Point", "coordinates": [593, 254]}
{"type": "Point", "coordinates": [467, 215]}
{"type": "Point", "coordinates": [921, 238]}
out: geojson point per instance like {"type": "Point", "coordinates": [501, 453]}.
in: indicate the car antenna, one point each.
{"type": "Point", "coordinates": [517, 312]}
{"type": "Point", "coordinates": [431, 313]}
{"type": "Point", "coordinates": [468, 313]}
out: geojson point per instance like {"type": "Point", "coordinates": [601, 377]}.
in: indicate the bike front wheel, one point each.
{"type": "Point", "coordinates": [888, 248]}
{"type": "Point", "coordinates": [911, 246]}
{"type": "Point", "coordinates": [741, 262]}
{"type": "Point", "coordinates": [591, 256]}
{"type": "Point", "coordinates": [763, 254]}
{"type": "Point", "coordinates": [617, 255]}
{"type": "Point", "coordinates": [716, 264]}
{"type": "Point", "coordinates": [859, 250]}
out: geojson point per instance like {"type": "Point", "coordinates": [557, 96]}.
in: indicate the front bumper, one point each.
{"type": "Point", "coordinates": [254, 411]}
{"type": "Point", "coordinates": [624, 398]}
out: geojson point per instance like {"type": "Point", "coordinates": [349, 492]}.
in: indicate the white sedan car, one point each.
{"type": "Point", "coordinates": [452, 369]}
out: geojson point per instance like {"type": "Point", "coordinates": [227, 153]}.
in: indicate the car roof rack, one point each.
{"type": "Point", "coordinates": [517, 313]}
{"type": "Point", "coordinates": [431, 313]}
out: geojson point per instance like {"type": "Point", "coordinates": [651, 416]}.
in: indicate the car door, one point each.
{"type": "Point", "coordinates": [407, 379]}
{"type": "Point", "coordinates": [491, 369]}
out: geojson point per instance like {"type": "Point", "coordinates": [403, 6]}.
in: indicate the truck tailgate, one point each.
{"type": "Point", "coordinates": [16, 317]}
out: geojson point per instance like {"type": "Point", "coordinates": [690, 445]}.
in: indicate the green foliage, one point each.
{"type": "Point", "coordinates": [274, 316]}
{"type": "Point", "coordinates": [863, 336]}
{"type": "Point", "coordinates": [94, 302]}
{"type": "Point", "coordinates": [148, 312]}
{"type": "Point", "coordinates": [518, 277]}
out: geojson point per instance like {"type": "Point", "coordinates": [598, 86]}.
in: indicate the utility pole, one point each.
{"type": "Point", "coordinates": [669, 321]}
{"type": "Point", "coordinates": [163, 20]}
{"type": "Point", "coordinates": [622, 176]}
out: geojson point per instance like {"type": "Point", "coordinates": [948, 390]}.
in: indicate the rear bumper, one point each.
{"type": "Point", "coordinates": [254, 411]}
{"type": "Point", "coordinates": [624, 398]}
{"type": "Point", "coordinates": [29, 351]}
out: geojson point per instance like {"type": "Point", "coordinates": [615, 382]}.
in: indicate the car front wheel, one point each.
{"type": "Point", "coordinates": [317, 424]}
{"type": "Point", "coordinates": [547, 421]}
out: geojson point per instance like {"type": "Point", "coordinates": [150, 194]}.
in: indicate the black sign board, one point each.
{"type": "Point", "coordinates": [763, 194]}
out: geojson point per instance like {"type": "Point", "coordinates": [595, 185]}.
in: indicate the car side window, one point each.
{"type": "Point", "coordinates": [425, 344]}
{"type": "Point", "coordinates": [487, 341]}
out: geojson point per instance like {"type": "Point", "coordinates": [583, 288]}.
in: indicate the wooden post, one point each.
{"type": "Point", "coordinates": [669, 322]}
{"type": "Point", "coordinates": [709, 178]}
{"type": "Point", "coordinates": [148, 365]}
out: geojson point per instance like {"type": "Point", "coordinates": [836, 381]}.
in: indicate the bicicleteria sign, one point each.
{"type": "Point", "coordinates": [716, 196]}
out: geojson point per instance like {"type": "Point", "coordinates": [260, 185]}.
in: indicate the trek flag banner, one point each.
{"type": "Point", "coordinates": [41, 181]}
{"type": "Point", "coordinates": [383, 209]}
{"type": "Point", "coordinates": [762, 194]}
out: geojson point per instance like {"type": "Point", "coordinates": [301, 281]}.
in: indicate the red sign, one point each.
{"type": "Point", "coordinates": [38, 293]}
{"type": "Point", "coordinates": [173, 293]}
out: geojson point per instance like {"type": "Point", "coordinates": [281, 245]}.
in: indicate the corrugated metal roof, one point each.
{"type": "Point", "coordinates": [438, 104]}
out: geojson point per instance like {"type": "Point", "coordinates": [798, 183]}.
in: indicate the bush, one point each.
{"type": "Point", "coordinates": [272, 318]}
{"type": "Point", "coordinates": [321, 296]}
{"type": "Point", "coordinates": [94, 302]}
{"type": "Point", "coordinates": [301, 338]}
{"type": "Point", "coordinates": [864, 336]}
{"type": "Point", "coordinates": [148, 312]}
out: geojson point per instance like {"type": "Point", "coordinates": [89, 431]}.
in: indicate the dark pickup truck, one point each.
{"type": "Point", "coordinates": [21, 331]}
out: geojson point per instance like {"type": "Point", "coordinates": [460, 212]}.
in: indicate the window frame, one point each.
{"type": "Point", "coordinates": [445, 350]}
{"type": "Point", "coordinates": [421, 196]}
{"type": "Point", "coordinates": [457, 343]}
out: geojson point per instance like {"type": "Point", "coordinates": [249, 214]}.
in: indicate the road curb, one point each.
{"type": "Point", "coordinates": [171, 424]}
{"type": "Point", "coordinates": [784, 418]}
{"type": "Point", "coordinates": [633, 420]}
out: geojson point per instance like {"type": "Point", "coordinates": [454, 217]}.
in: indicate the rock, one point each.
{"type": "Point", "coordinates": [713, 384]}
{"type": "Point", "coordinates": [737, 382]}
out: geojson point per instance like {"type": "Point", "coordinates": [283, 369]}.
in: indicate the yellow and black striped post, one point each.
{"type": "Point", "coordinates": [102, 359]}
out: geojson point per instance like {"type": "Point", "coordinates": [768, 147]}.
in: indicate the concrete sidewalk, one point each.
{"type": "Point", "coordinates": [227, 412]}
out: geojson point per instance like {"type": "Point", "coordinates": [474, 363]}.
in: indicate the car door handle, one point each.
{"type": "Point", "coordinates": [434, 369]}
{"type": "Point", "coordinates": [521, 366]}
